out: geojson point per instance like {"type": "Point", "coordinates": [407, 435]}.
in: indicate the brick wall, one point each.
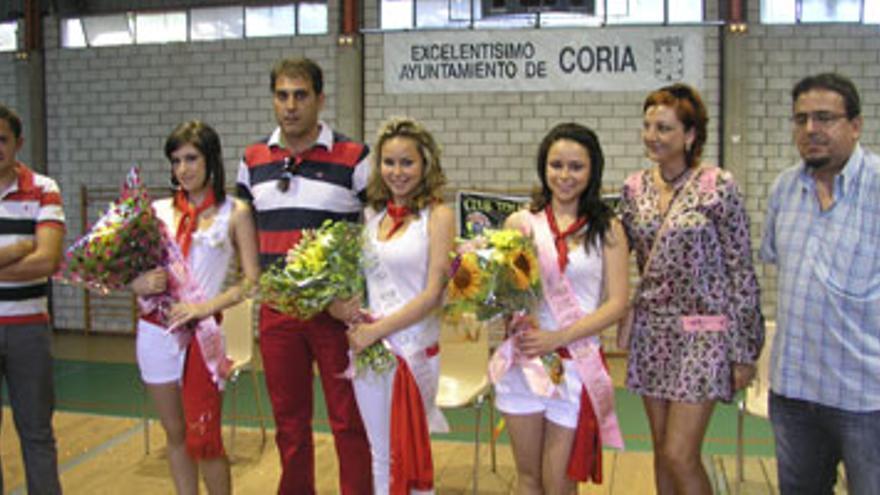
{"type": "Point", "coordinates": [9, 83]}
{"type": "Point", "coordinates": [111, 107]}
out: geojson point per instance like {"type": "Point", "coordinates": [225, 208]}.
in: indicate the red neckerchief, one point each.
{"type": "Point", "coordinates": [559, 237]}
{"type": "Point", "coordinates": [398, 214]}
{"type": "Point", "coordinates": [189, 218]}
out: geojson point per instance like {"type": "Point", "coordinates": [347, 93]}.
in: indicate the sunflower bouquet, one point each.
{"type": "Point", "coordinates": [322, 267]}
{"type": "Point", "coordinates": [493, 275]}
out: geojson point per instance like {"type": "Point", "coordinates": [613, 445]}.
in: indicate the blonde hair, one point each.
{"type": "Point", "coordinates": [430, 187]}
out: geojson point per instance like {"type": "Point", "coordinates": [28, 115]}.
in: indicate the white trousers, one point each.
{"type": "Point", "coordinates": [373, 393]}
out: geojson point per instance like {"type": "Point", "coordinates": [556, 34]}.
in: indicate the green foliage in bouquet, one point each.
{"type": "Point", "coordinates": [324, 265]}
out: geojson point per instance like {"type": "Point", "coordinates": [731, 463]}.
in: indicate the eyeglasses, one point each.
{"type": "Point", "coordinates": [820, 119]}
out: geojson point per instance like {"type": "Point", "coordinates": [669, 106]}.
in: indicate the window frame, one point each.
{"type": "Point", "coordinates": [522, 20]}
{"type": "Point", "coordinates": [132, 16]}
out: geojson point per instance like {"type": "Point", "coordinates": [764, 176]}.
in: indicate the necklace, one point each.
{"type": "Point", "coordinates": [673, 180]}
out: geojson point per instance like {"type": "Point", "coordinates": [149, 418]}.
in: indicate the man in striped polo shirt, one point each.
{"type": "Point", "coordinates": [31, 233]}
{"type": "Point", "coordinates": [301, 175]}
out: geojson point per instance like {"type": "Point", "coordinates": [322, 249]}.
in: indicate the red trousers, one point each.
{"type": "Point", "coordinates": [289, 347]}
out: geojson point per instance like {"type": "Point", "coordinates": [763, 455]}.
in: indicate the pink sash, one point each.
{"type": "Point", "coordinates": [182, 286]}
{"type": "Point", "coordinates": [584, 352]}
{"type": "Point", "coordinates": [507, 355]}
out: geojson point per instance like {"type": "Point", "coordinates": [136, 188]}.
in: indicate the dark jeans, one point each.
{"type": "Point", "coordinates": [26, 366]}
{"type": "Point", "coordinates": [811, 439]}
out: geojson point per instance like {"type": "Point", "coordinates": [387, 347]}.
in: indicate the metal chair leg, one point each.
{"type": "Point", "coordinates": [234, 383]}
{"type": "Point", "coordinates": [145, 417]}
{"type": "Point", "coordinates": [492, 432]}
{"type": "Point", "coordinates": [478, 409]}
{"type": "Point", "coordinates": [740, 419]}
{"type": "Point", "coordinates": [258, 399]}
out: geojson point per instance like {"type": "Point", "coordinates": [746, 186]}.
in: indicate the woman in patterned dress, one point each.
{"type": "Point", "coordinates": [695, 327]}
{"type": "Point", "coordinates": [211, 230]}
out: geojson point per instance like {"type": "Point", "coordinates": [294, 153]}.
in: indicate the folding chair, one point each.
{"type": "Point", "coordinates": [754, 399]}
{"type": "Point", "coordinates": [464, 380]}
{"type": "Point", "coordinates": [238, 329]}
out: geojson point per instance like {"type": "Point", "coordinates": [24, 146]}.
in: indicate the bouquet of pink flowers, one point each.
{"type": "Point", "coordinates": [128, 240]}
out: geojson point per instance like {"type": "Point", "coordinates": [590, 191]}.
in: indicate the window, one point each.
{"type": "Point", "coordinates": [197, 24]}
{"type": "Point", "coordinates": [279, 20]}
{"type": "Point", "coordinates": [217, 23]}
{"type": "Point", "coordinates": [8, 36]}
{"type": "Point", "coordinates": [818, 11]}
{"type": "Point", "coordinates": [407, 14]}
{"type": "Point", "coordinates": [109, 30]}
{"type": "Point", "coordinates": [72, 34]}
{"type": "Point", "coordinates": [312, 18]}
{"type": "Point", "coordinates": [167, 27]}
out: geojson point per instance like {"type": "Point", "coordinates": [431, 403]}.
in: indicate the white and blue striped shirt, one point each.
{"type": "Point", "coordinates": [827, 348]}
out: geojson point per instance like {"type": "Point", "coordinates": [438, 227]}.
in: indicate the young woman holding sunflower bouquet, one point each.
{"type": "Point", "coordinates": [557, 432]}
{"type": "Point", "coordinates": [409, 235]}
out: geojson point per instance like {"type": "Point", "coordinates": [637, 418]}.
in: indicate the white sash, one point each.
{"type": "Point", "coordinates": [407, 346]}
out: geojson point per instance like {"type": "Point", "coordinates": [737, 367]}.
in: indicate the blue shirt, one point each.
{"type": "Point", "coordinates": [827, 345]}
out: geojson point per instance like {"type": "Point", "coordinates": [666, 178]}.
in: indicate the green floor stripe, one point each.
{"type": "Point", "coordinates": [114, 389]}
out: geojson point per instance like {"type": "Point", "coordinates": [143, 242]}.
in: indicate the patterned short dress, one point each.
{"type": "Point", "coordinates": [701, 267]}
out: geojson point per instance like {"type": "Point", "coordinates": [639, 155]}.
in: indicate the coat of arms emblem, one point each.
{"type": "Point", "coordinates": [669, 58]}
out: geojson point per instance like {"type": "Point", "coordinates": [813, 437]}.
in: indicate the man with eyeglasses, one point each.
{"type": "Point", "coordinates": [822, 231]}
{"type": "Point", "coordinates": [303, 174]}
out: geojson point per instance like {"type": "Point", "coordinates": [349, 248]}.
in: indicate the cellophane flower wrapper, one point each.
{"type": "Point", "coordinates": [127, 240]}
{"type": "Point", "coordinates": [493, 275]}
{"type": "Point", "coordinates": [324, 265]}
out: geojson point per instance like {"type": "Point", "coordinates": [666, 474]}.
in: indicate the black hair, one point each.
{"type": "Point", "coordinates": [206, 140]}
{"type": "Point", "coordinates": [590, 204]}
{"type": "Point", "coordinates": [831, 81]}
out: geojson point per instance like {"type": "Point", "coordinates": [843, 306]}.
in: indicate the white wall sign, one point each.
{"type": "Point", "coordinates": [609, 59]}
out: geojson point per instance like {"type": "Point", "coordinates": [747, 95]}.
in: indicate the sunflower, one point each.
{"type": "Point", "coordinates": [467, 280]}
{"type": "Point", "coordinates": [524, 268]}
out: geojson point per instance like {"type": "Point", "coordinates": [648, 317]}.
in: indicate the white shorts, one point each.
{"type": "Point", "coordinates": [159, 355]}
{"type": "Point", "coordinates": [513, 396]}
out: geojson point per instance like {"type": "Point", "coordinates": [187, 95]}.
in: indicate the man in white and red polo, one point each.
{"type": "Point", "coordinates": [31, 233]}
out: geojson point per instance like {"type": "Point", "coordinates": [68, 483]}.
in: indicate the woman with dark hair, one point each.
{"type": "Point", "coordinates": [409, 235]}
{"type": "Point", "coordinates": [210, 229]}
{"type": "Point", "coordinates": [557, 431]}
{"type": "Point", "coordinates": [695, 327]}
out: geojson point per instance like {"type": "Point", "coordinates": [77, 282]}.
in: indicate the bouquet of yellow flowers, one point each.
{"type": "Point", "coordinates": [322, 267]}
{"type": "Point", "coordinates": [325, 265]}
{"type": "Point", "coordinates": [494, 274]}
